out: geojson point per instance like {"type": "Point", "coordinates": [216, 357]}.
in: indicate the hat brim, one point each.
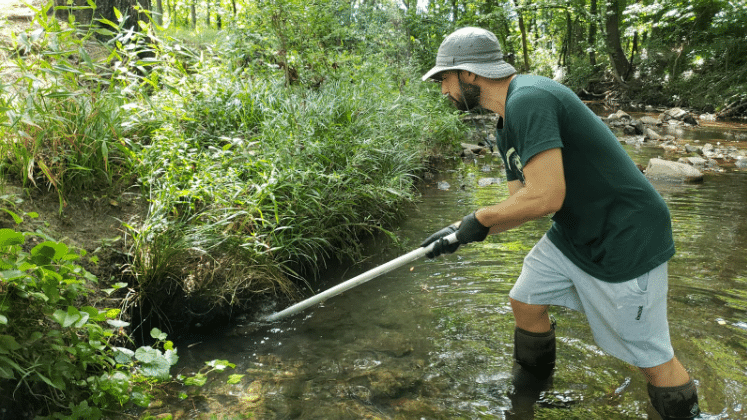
{"type": "Point", "coordinates": [494, 70]}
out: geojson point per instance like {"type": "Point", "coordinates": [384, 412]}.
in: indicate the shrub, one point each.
{"type": "Point", "coordinates": [59, 355]}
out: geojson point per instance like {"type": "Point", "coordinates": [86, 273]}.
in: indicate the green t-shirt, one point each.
{"type": "Point", "coordinates": [613, 224]}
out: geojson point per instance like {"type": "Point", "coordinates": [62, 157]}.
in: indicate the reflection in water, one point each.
{"type": "Point", "coordinates": [434, 340]}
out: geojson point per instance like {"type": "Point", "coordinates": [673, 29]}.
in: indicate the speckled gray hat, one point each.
{"type": "Point", "coordinates": [473, 49]}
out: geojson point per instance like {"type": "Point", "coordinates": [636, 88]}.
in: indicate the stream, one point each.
{"type": "Point", "coordinates": [434, 339]}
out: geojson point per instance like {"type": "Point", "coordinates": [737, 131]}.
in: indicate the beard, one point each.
{"type": "Point", "coordinates": [470, 97]}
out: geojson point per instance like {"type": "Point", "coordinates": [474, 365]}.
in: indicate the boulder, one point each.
{"type": "Point", "coordinates": [619, 115]}
{"type": "Point", "coordinates": [664, 170]}
{"type": "Point", "coordinates": [693, 149]}
{"type": "Point", "coordinates": [652, 135]}
{"type": "Point", "coordinates": [678, 115]}
{"type": "Point", "coordinates": [650, 120]}
{"type": "Point", "coordinates": [470, 150]}
{"type": "Point", "coordinates": [695, 161]}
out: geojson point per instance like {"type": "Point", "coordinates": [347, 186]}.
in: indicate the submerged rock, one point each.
{"type": "Point", "coordinates": [484, 182]}
{"type": "Point", "coordinates": [695, 161]}
{"type": "Point", "coordinates": [665, 170]}
{"type": "Point", "coordinates": [443, 185]}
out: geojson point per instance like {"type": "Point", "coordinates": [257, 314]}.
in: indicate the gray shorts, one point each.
{"type": "Point", "coordinates": [628, 319]}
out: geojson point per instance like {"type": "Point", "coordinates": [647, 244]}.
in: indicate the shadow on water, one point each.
{"type": "Point", "coordinates": [434, 340]}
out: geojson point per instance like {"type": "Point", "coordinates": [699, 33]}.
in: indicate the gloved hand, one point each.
{"type": "Point", "coordinates": [441, 246]}
{"type": "Point", "coordinates": [469, 230]}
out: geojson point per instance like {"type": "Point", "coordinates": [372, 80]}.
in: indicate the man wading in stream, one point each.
{"type": "Point", "coordinates": [606, 253]}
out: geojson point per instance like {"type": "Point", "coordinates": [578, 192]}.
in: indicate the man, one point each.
{"type": "Point", "coordinates": [606, 253]}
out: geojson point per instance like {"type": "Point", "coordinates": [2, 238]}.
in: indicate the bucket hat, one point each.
{"type": "Point", "coordinates": [473, 49]}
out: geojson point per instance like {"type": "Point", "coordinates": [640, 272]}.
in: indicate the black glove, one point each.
{"type": "Point", "coordinates": [441, 246]}
{"type": "Point", "coordinates": [470, 230]}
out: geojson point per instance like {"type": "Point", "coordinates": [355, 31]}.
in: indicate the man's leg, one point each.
{"type": "Point", "coordinates": [542, 283]}
{"type": "Point", "coordinates": [534, 354]}
{"type": "Point", "coordinates": [532, 318]}
{"type": "Point", "coordinates": [672, 392]}
{"type": "Point", "coordinates": [534, 339]}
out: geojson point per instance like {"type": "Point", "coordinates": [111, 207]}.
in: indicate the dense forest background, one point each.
{"type": "Point", "coordinates": [670, 53]}
{"type": "Point", "coordinates": [243, 145]}
{"type": "Point", "coordinates": [673, 53]}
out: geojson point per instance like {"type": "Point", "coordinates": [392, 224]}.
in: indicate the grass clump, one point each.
{"type": "Point", "coordinates": [260, 184]}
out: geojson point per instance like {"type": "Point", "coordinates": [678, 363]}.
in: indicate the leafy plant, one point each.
{"type": "Point", "coordinates": [55, 349]}
{"type": "Point", "coordinates": [63, 116]}
{"type": "Point", "coordinates": [200, 378]}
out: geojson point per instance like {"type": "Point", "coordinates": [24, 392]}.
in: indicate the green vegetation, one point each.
{"type": "Point", "coordinates": [269, 138]}
{"type": "Point", "coordinates": [58, 351]}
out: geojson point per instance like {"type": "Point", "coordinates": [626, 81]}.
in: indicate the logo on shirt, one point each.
{"type": "Point", "coordinates": [513, 160]}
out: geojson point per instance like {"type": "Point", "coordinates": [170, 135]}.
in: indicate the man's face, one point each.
{"type": "Point", "coordinates": [465, 96]}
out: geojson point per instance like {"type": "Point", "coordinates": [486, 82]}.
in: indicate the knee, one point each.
{"type": "Point", "coordinates": [532, 318]}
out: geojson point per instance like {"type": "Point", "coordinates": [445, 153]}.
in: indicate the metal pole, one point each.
{"type": "Point", "coordinates": [355, 281]}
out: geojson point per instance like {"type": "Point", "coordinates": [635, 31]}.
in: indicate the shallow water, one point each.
{"type": "Point", "coordinates": [433, 340]}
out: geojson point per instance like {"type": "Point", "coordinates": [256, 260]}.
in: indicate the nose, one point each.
{"type": "Point", "coordinates": [443, 89]}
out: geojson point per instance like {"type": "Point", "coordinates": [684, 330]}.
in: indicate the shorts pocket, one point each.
{"type": "Point", "coordinates": [640, 284]}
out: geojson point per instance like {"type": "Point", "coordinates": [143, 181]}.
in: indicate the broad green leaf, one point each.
{"type": "Point", "coordinates": [49, 381]}
{"type": "Point", "coordinates": [146, 354]}
{"type": "Point", "coordinates": [45, 252]}
{"type": "Point", "coordinates": [94, 313]}
{"type": "Point", "coordinates": [9, 237]}
{"type": "Point", "coordinates": [123, 355]}
{"type": "Point", "coordinates": [83, 319]}
{"type": "Point", "coordinates": [171, 357]}
{"type": "Point", "coordinates": [117, 323]}
{"type": "Point", "coordinates": [68, 318]}
{"type": "Point", "coordinates": [234, 378]}
{"type": "Point", "coordinates": [220, 365]}
{"type": "Point", "coordinates": [12, 274]}
{"type": "Point", "coordinates": [7, 367]}
{"type": "Point", "coordinates": [198, 380]}
{"type": "Point", "coordinates": [157, 334]}
{"type": "Point", "coordinates": [8, 344]}
{"type": "Point", "coordinates": [16, 218]}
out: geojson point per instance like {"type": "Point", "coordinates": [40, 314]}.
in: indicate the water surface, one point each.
{"type": "Point", "coordinates": [433, 340]}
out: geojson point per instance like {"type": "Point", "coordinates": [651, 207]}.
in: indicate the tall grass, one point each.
{"type": "Point", "coordinates": [61, 118]}
{"type": "Point", "coordinates": [278, 177]}
{"type": "Point", "coordinates": [253, 183]}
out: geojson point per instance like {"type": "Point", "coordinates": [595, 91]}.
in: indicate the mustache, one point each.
{"type": "Point", "coordinates": [460, 105]}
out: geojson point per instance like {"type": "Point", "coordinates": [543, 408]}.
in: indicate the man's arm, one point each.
{"type": "Point", "coordinates": [543, 193]}
{"type": "Point", "coordinates": [514, 186]}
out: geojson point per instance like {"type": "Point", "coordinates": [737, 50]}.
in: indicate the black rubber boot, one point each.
{"type": "Point", "coordinates": [532, 373]}
{"type": "Point", "coordinates": [535, 352]}
{"type": "Point", "coordinates": [676, 402]}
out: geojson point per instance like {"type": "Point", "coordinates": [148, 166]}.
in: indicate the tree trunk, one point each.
{"type": "Point", "coordinates": [633, 50]}
{"type": "Point", "coordinates": [218, 15]}
{"type": "Point", "coordinates": [620, 64]}
{"type": "Point", "coordinates": [159, 12]}
{"type": "Point", "coordinates": [193, 13]}
{"type": "Point", "coordinates": [522, 28]}
{"type": "Point", "coordinates": [593, 33]}
{"type": "Point", "coordinates": [207, 15]}
{"type": "Point", "coordinates": [569, 47]}
{"type": "Point", "coordinates": [105, 9]}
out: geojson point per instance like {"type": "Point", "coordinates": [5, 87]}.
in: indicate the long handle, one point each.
{"type": "Point", "coordinates": [357, 280]}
